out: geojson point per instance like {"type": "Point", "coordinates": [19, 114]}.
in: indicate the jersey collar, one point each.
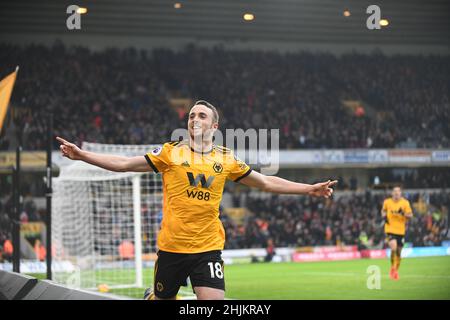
{"type": "Point", "coordinates": [202, 152]}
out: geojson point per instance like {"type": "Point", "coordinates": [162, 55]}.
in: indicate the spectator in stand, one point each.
{"type": "Point", "coordinates": [349, 219]}
{"type": "Point", "coordinates": [125, 95]}
{"type": "Point", "coordinates": [7, 250]}
{"type": "Point", "coordinates": [270, 251]}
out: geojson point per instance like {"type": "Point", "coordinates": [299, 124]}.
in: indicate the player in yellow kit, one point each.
{"type": "Point", "coordinates": [194, 173]}
{"type": "Point", "coordinates": [396, 212]}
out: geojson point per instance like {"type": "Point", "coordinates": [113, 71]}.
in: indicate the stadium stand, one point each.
{"type": "Point", "coordinates": [106, 96]}
{"type": "Point", "coordinates": [303, 221]}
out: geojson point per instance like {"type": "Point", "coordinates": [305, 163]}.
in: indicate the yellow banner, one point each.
{"type": "Point", "coordinates": [32, 229]}
{"type": "Point", "coordinates": [6, 88]}
{"type": "Point", "coordinates": [29, 159]}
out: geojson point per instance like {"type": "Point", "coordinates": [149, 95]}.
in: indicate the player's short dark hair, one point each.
{"type": "Point", "coordinates": [209, 106]}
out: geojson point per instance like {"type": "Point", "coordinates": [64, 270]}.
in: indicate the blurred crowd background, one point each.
{"type": "Point", "coordinates": [121, 96]}
{"type": "Point", "coordinates": [350, 219]}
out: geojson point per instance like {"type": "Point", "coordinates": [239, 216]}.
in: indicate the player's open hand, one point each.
{"type": "Point", "coordinates": [68, 149]}
{"type": "Point", "coordinates": [323, 189]}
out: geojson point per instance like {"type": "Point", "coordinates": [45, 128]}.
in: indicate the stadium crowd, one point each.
{"type": "Point", "coordinates": [350, 219]}
{"type": "Point", "coordinates": [5, 232]}
{"type": "Point", "coordinates": [29, 213]}
{"type": "Point", "coordinates": [415, 178]}
{"type": "Point", "coordinates": [122, 96]}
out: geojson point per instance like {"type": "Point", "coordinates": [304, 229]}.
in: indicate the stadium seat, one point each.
{"type": "Point", "coordinates": [14, 286]}
{"type": "Point", "coordinates": [48, 290]}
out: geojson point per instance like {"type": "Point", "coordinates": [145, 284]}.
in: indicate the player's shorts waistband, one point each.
{"type": "Point", "coordinates": [394, 234]}
{"type": "Point", "coordinates": [189, 253]}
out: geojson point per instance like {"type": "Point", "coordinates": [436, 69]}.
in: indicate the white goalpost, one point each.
{"type": "Point", "coordinates": [105, 223]}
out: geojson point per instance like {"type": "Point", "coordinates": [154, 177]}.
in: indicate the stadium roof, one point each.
{"type": "Point", "coordinates": [413, 22]}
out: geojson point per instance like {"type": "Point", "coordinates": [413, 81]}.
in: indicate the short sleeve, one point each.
{"type": "Point", "coordinates": [159, 158]}
{"type": "Point", "coordinates": [385, 206]}
{"type": "Point", "coordinates": [238, 169]}
{"type": "Point", "coordinates": [408, 209]}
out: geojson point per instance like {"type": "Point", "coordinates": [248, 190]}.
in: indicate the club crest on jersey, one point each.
{"type": "Point", "coordinates": [157, 151]}
{"type": "Point", "coordinates": [218, 168]}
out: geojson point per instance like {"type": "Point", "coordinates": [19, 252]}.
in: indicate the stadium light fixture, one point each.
{"type": "Point", "coordinates": [82, 10]}
{"type": "Point", "coordinates": [384, 22]}
{"type": "Point", "coordinates": [249, 16]}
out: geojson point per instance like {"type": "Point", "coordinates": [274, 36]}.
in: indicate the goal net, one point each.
{"type": "Point", "coordinates": [104, 224]}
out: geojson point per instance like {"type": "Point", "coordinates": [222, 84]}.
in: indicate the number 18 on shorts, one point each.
{"type": "Point", "coordinates": [172, 270]}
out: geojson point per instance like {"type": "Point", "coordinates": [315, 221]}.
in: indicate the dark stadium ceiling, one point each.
{"type": "Point", "coordinates": [316, 21]}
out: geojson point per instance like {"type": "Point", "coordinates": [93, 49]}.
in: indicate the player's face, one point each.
{"type": "Point", "coordinates": [396, 193]}
{"type": "Point", "coordinates": [201, 122]}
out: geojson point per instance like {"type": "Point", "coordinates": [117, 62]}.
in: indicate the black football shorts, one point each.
{"type": "Point", "coordinates": [172, 270]}
{"type": "Point", "coordinates": [400, 239]}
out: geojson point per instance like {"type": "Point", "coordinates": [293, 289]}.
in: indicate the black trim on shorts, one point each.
{"type": "Point", "coordinates": [150, 163]}
{"type": "Point", "coordinates": [244, 175]}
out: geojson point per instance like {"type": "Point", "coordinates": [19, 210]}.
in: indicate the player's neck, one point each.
{"type": "Point", "coordinates": [203, 146]}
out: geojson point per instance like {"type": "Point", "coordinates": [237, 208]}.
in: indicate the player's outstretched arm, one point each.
{"type": "Point", "coordinates": [105, 161]}
{"type": "Point", "coordinates": [280, 185]}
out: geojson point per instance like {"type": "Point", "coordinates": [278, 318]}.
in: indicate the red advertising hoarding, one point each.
{"type": "Point", "coordinates": [326, 256]}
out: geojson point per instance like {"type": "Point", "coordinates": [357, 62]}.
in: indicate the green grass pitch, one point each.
{"type": "Point", "coordinates": [420, 278]}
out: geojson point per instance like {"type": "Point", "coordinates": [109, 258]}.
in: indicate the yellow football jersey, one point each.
{"type": "Point", "coordinates": [396, 211]}
{"type": "Point", "coordinates": [193, 184]}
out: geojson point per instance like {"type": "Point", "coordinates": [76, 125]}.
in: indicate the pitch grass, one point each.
{"type": "Point", "coordinates": [420, 278]}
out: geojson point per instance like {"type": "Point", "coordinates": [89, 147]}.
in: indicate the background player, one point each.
{"type": "Point", "coordinates": [396, 212]}
{"type": "Point", "coordinates": [194, 174]}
